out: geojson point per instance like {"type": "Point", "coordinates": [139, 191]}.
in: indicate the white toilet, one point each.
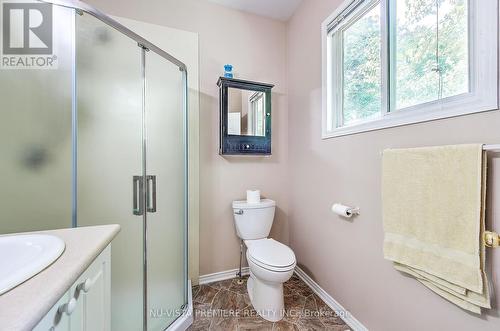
{"type": "Point", "coordinates": [271, 262]}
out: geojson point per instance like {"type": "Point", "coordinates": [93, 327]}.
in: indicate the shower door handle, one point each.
{"type": "Point", "coordinates": [137, 203]}
{"type": "Point", "coordinates": [151, 193]}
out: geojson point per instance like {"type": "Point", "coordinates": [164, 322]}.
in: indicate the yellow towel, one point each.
{"type": "Point", "coordinates": [433, 211]}
{"type": "Point", "coordinates": [449, 291]}
{"type": "Point", "coordinates": [450, 287]}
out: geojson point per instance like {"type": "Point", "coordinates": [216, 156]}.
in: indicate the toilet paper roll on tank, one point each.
{"type": "Point", "coordinates": [253, 196]}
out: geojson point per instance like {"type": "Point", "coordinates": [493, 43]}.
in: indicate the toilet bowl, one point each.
{"type": "Point", "coordinates": [271, 263]}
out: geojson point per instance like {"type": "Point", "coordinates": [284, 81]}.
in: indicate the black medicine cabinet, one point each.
{"type": "Point", "coordinates": [245, 117]}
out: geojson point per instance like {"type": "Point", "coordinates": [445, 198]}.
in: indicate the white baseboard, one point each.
{"type": "Point", "coordinates": [346, 316]}
{"type": "Point", "coordinates": [223, 275]}
{"type": "Point", "coordinates": [186, 319]}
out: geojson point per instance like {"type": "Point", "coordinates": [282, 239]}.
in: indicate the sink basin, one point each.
{"type": "Point", "coordinates": [23, 256]}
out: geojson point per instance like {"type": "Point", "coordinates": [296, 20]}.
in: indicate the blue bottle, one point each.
{"type": "Point", "coordinates": [228, 71]}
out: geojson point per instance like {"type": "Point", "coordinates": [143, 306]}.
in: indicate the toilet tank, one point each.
{"type": "Point", "coordinates": [253, 220]}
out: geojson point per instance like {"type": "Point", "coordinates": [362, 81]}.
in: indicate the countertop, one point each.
{"type": "Point", "coordinates": [25, 305]}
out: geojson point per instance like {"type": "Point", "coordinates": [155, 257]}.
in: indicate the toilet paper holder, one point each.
{"type": "Point", "coordinates": [353, 210]}
{"type": "Point", "coordinates": [345, 211]}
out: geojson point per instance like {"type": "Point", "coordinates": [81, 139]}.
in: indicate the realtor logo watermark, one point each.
{"type": "Point", "coordinates": [27, 36]}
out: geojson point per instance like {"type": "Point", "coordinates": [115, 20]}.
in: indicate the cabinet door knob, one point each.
{"type": "Point", "coordinates": [68, 308]}
{"type": "Point", "coordinates": [86, 285]}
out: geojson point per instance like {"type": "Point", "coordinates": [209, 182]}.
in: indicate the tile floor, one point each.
{"type": "Point", "coordinates": [225, 305]}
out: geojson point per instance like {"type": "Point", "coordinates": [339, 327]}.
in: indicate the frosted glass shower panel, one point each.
{"type": "Point", "coordinates": [109, 99]}
{"type": "Point", "coordinates": [166, 168]}
{"type": "Point", "coordinates": [35, 134]}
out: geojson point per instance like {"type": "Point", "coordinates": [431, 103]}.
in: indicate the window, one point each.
{"type": "Point", "coordinates": [361, 68]}
{"type": "Point", "coordinates": [257, 112]}
{"type": "Point", "coordinates": [394, 62]}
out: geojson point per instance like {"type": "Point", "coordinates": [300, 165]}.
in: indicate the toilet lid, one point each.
{"type": "Point", "coordinates": [271, 253]}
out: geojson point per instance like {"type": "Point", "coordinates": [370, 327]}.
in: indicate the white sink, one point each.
{"type": "Point", "coordinates": [23, 256]}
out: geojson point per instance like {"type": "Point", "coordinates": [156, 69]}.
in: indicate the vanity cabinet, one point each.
{"type": "Point", "coordinates": [87, 303]}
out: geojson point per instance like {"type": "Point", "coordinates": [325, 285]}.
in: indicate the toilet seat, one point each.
{"type": "Point", "coordinates": [271, 255]}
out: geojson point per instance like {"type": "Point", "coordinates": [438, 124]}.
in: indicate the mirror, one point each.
{"type": "Point", "coordinates": [245, 115]}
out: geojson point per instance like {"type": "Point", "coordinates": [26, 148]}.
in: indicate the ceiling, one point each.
{"type": "Point", "coordinates": [277, 9]}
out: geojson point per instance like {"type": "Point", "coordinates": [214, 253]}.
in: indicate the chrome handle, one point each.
{"type": "Point", "coordinates": [137, 204]}
{"type": "Point", "coordinates": [239, 212]}
{"type": "Point", "coordinates": [151, 193]}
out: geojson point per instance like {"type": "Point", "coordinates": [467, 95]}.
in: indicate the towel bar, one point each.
{"type": "Point", "coordinates": [491, 239]}
{"type": "Point", "coordinates": [488, 148]}
{"type": "Point", "coordinates": [491, 148]}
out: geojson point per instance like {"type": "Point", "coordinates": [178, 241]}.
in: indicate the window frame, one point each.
{"type": "Point", "coordinates": [483, 73]}
{"type": "Point", "coordinates": [255, 101]}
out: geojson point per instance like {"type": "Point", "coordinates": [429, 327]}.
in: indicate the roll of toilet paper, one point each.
{"type": "Point", "coordinates": [344, 211]}
{"type": "Point", "coordinates": [253, 196]}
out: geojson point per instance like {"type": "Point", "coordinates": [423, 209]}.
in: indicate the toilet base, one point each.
{"type": "Point", "coordinates": [266, 298]}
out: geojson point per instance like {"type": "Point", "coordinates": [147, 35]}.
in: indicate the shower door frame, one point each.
{"type": "Point", "coordinates": [144, 45]}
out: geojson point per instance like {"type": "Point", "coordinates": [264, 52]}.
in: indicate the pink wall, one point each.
{"type": "Point", "coordinates": [307, 174]}
{"type": "Point", "coordinates": [345, 257]}
{"type": "Point", "coordinates": [256, 46]}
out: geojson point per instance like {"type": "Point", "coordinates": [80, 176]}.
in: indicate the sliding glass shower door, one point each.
{"type": "Point", "coordinates": [166, 177]}
{"type": "Point", "coordinates": [109, 155]}
{"type": "Point", "coordinates": [131, 170]}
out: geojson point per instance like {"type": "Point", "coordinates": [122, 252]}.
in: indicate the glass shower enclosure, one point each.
{"type": "Point", "coordinates": [97, 137]}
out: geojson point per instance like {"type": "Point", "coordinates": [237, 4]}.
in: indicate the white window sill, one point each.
{"type": "Point", "coordinates": [408, 116]}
